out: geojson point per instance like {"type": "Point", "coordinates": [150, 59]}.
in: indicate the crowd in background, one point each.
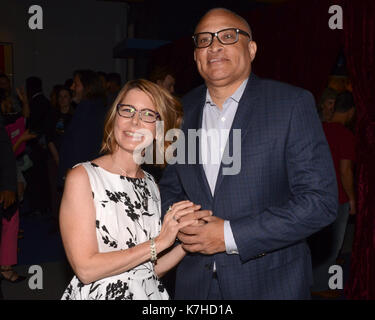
{"type": "Point", "coordinates": [49, 135]}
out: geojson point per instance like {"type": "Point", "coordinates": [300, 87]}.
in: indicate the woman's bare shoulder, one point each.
{"type": "Point", "coordinates": [77, 175]}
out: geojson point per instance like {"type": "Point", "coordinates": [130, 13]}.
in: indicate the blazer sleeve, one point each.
{"type": "Point", "coordinates": [8, 171]}
{"type": "Point", "coordinates": [313, 202]}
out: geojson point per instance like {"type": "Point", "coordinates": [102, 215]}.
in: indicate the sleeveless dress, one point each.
{"type": "Point", "coordinates": [128, 213]}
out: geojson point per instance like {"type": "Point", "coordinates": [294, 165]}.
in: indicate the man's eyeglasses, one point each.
{"type": "Point", "coordinates": [128, 111]}
{"type": "Point", "coordinates": [225, 36]}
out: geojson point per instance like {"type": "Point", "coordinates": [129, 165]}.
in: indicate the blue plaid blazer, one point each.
{"type": "Point", "coordinates": [286, 191]}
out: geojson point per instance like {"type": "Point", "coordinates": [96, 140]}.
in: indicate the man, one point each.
{"type": "Point", "coordinates": [82, 139]}
{"type": "Point", "coordinates": [326, 244]}
{"type": "Point", "coordinates": [327, 103]}
{"type": "Point", "coordinates": [163, 77]}
{"type": "Point", "coordinates": [42, 123]}
{"type": "Point", "coordinates": [113, 87]}
{"type": "Point", "coordinates": [253, 247]}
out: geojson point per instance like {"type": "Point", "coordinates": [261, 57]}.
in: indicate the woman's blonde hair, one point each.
{"type": "Point", "coordinates": [168, 107]}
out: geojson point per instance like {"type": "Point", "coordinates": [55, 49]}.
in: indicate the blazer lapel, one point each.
{"type": "Point", "coordinates": [241, 120]}
{"type": "Point", "coordinates": [195, 123]}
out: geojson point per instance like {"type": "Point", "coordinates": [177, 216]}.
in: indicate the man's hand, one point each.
{"type": "Point", "coordinates": [206, 238]}
{"type": "Point", "coordinates": [196, 215]}
{"type": "Point", "coordinates": [7, 198]}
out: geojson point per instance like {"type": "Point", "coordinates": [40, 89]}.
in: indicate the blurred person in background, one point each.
{"type": "Point", "coordinates": [103, 78]}
{"type": "Point", "coordinates": [113, 87]}
{"type": "Point", "coordinates": [40, 123]}
{"type": "Point", "coordinates": [64, 115]}
{"type": "Point", "coordinates": [164, 77]}
{"type": "Point", "coordinates": [327, 243]}
{"type": "Point", "coordinates": [53, 96]}
{"type": "Point", "coordinates": [82, 138]}
{"type": "Point", "coordinates": [9, 213]}
{"type": "Point", "coordinates": [326, 104]}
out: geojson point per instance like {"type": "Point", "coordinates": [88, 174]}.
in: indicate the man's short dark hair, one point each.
{"type": "Point", "coordinates": [33, 85]}
{"type": "Point", "coordinates": [328, 93]}
{"type": "Point", "coordinates": [344, 102]}
{"type": "Point", "coordinates": [92, 85]}
{"type": "Point", "coordinates": [114, 77]}
{"type": "Point", "coordinates": [160, 73]}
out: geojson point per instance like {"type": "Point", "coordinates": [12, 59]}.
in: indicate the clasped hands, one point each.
{"type": "Point", "coordinates": [205, 234]}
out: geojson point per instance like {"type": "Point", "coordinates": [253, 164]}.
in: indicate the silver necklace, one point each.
{"type": "Point", "coordinates": [123, 171]}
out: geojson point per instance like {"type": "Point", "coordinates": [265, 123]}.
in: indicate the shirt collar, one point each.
{"type": "Point", "coordinates": [236, 96]}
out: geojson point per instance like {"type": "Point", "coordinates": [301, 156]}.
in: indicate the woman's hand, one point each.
{"type": "Point", "coordinates": [7, 198]}
{"type": "Point", "coordinates": [22, 95]}
{"type": "Point", "coordinates": [171, 226]}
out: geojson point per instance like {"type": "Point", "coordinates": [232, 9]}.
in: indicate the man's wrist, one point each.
{"type": "Point", "coordinates": [230, 244]}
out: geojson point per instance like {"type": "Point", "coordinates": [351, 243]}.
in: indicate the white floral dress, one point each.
{"type": "Point", "coordinates": [127, 213]}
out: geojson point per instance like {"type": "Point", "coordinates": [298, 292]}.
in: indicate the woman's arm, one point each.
{"type": "Point", "coordinates": [78, 231]}
{"type": "Point", "coordinates": [169, 260]}
{"type": "Point", "coordinates": [25, 103]}
{"type": "Point", "coordinates": [26, 136]}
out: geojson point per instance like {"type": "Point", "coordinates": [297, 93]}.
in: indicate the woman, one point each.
{"type": "Point", "coordinates": [15, 127]}
{"type": "Point", "coordinates": [64, 109]}
{"type": "Point", "coordinates": [110, 211]}
{"type": "Point", "coordinates": [63, 116]}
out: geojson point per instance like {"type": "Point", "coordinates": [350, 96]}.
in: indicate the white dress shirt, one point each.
{"type": "Point", "coordinates": [216, 126]}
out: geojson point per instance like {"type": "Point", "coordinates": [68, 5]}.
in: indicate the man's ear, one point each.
{"type": "Point", "coordinates": [252, 49]}
{"type": "Point", "coordinates": [195, 57]}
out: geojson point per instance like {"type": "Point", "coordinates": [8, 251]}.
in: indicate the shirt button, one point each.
{"type": "Point", "coordinates": [223, 119]}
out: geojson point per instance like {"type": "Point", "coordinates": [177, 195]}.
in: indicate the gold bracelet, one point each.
{"type": "Point", "coordinates": [154, 256]}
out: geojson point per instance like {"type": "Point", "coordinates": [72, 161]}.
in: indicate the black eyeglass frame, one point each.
{"type": "Point", "coordinates": [215, 34]}
{"type": "Point", "coordinates": [137, 111]}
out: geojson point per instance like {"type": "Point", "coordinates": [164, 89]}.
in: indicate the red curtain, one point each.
{"type": "Point", "coordinates": [359, 29]}
{"type": "Point", "coordinates": [295, 43]}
